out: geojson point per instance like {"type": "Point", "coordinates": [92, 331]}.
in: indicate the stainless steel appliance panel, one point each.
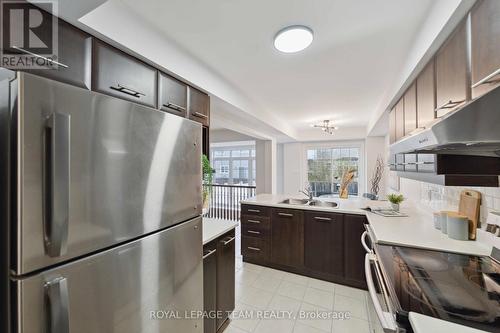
{"type": "Point", "coordinates": [116, 291]}
{"type": "Point", "coordinates": [94, 171]}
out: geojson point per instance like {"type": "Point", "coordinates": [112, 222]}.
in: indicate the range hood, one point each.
{"type": "Point", "coordinates": [474, 129]}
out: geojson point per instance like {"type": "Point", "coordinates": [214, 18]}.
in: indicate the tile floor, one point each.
{"type": "Point", "coordinates": [260, 288]}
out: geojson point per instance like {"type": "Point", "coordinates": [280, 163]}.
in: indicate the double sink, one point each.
{"type": "Point", "coordinates": [307, 202]}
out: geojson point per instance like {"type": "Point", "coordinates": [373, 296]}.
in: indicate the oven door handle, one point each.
{"type": "Point", "coordinates": [386, 320]}
{"type": "Point", "coordinates": [363, 242]}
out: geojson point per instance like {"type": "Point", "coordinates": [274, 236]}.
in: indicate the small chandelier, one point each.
{"type": "Point", "coordinates": [327, 127]}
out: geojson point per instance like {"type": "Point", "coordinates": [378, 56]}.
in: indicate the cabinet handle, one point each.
{"type": "Point", "coordinates": [320, 218]}
{"type": "Point", "coordinates": [285, 214]}
{"type": "Point", "coordinates": [449, 105]}
{"type": "Point", "coordinates": [228, 241]}
{"type": "Point", "coordinates": [174, 107]}
{"type": "Point", "coordinates": [424, 163]}
{"type": "Point", "coordinates": [487, 79]}
{"type": "Point", "coordinates": [253, 221]}
{"type": "Point", "coordinates": [253, 248]}
{"type": "Point", "coordinates": [50, 61]}
{"type": "Point", "coordinates": [253, 232]}
{"type": "Point", "coordinates": [209, 253]}
{"type": "Point", "coordinates": [253, 210]}
{"type": "Point", "coordinates": [200, 115]}
{"type": "Point", "coordinates": [128, 91]}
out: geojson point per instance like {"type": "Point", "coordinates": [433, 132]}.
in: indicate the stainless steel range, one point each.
{"type": "Point", "coordinates": [101, 205]}
{"type": "Point", "coordinates": [463, 289]}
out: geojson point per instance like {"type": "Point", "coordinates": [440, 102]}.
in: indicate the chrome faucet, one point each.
{"type": "Point", "coordinates": [307, 191]}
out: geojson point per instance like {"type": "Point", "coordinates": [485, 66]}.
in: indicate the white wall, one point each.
{"type": "Point", "coordinates": [225, 135]}
{"type": "Point", "coordinates": [265, 159]}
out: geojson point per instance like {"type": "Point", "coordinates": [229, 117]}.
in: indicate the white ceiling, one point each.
{"type": "Point", "coordinates": [358, 50]}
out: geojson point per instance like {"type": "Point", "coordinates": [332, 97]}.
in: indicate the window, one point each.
{"type": "Point", "coordinates": [233, 164]}
{"type": "Point", "coordinates": [326, 166]}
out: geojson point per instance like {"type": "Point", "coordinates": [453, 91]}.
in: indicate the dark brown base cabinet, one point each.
{"type": "Point", "coordinates": [317, 244]}
{"type": "Point", "coordinates": [219, 281]}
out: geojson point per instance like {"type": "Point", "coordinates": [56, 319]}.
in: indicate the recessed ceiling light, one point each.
{"type": "Point", "coordinates": [293, 39]}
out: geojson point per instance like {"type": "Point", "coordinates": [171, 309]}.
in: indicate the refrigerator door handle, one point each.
{"type": "Point", "coordinates": [56, 305]}
{"type": "Point", "coordinates": [57, 192]}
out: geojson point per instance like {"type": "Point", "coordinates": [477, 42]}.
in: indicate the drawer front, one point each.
{"type": "Point", "coordinates": [172, 95]}
{"type": "Point", "coordinates": [118, 74]}
{"type": "Point", "coordinates": [255, 231]}
{"type": "Point", "coordinates": [199, 106]}
{"type": "Point", "coordinates": [255, 248]}
{"type": "Point", "coordinates": [260, 222]}
{"type": "Point", "coordinates": [255, 210]}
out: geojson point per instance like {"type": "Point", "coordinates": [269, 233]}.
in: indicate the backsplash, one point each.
{"type": "Point", "coordinates": [432, 197]}
{"type": "Point", "coordinates": [441, 197]}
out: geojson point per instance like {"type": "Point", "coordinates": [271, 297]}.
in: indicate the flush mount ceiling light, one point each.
{"type": "Point", "coordinates": [326, 127]}
{"type": "Point", "coordinates": [293, 39]}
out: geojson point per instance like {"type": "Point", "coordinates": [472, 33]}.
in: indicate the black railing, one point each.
{"type": "Point", "coordinates": [225, 200]}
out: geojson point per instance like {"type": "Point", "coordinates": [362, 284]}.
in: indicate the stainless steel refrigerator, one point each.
{"type": "Point", "coordinates": [101, 205]}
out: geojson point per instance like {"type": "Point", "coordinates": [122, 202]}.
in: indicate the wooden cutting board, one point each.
{"type": "Point", "coordinates": [470, 203]}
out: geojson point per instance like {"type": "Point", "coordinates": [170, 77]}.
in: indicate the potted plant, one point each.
{"type": "Point", "coordinates": [395, 200]}
{"type": "Point", "coordinates": [207, 182]}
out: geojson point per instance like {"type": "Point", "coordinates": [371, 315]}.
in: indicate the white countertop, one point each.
{"type": "Point", "coordinates": [213, 228]}
{"type": "Point", "coordinates": [347, 206]}
{"type": "Point", "coordinates": [416, 230]}
{"type": "Point", "coordinates": [426, 324]}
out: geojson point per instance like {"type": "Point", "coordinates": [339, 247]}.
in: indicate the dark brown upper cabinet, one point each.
{"type": "Point", "coordinates": [400, 119]}
{"type": "Point", "coordinates": [172, 95]}
{"type": "Point", "coordinates": [426, 96]}
{"type": "Point", "coordinates": [354, 226]}
{"type": "Point", "coordinates": [392, 125]}
{"type": "Point", "coordinates": [287, 237]}
{"type": "Point", "coordinates": [452, 79]}
{"type": "Point", "coordinates": [74, 53]}
{"type": "Point", "coordinates": [118, 74]}
{"type": "Point", "coordinates": [199, 106]}
{"type": "Point", "coordinates": [324, 242]}
{"type": "Point", "coordinates": [410, 109]}
{"type": "Point", "coordinates": [485, 50]}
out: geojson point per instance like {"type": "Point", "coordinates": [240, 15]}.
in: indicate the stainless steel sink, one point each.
{"type": "Point", "coordinates": [295, 201]}
{"type": "Point", "coordinates": [320, 203]}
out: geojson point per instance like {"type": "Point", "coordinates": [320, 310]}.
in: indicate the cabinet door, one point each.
{"type": "Point", "coordinates": [199, 106]}
{"type": "Point", "coordinates": [392, 126]}
{"type": "Point", "coordinates": [225, 276]}
{"type": "Point", "coordinates": [324, 242]}
{"type": "Point", "coordinates": [74, 49]}
{"type": "Point", "coordinates": [452, 83]}
{"type": "Point", "coordinates": [118, 74]}
{"type": "Point", "coordinates": [287, 237]}
{"type": "Point", "coordinates": [209, 287]}
{"type": "Point", "coordinates": [354, 251]}
{"type": "Point", "coordinates": [410, 109]}
{"type": "Point", "coordinates": [172, 95]}
{"type": "Point", "coordinates": [426, 96]}
{"type": "Point", "coordinates": [485, 29]}
{"type": "Point", "coordinates": [400, 119]}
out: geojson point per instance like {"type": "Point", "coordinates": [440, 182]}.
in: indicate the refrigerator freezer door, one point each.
{"type": "Point", "coordinates": [129, 170]}
{"type": "Point", "coordinates": [151, 285]}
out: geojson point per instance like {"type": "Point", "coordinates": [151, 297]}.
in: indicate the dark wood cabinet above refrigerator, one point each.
{"type": "Point", "coordinates": [117, 74]}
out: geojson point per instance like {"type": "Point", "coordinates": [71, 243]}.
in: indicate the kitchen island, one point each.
{"type": "Point", "coordinates": [415, 230]}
